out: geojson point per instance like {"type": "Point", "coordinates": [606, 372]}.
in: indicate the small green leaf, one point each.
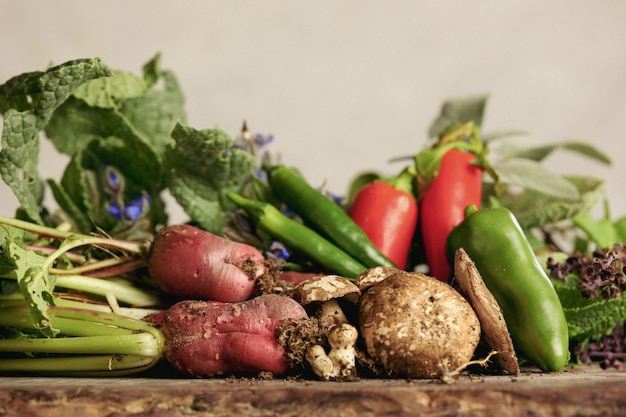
{"type": "Point", "coordinates": [360, 181]}
{"type": "Point", "coordinates": [540, 152]}
{"type": "Point", "coordinates": [37, 287]}
{"type": "Point", "coordinates": [620, 230]}
{"type": "Point", "coordinates": [19, 157]}
{"type": "Point", "coordinates": [59, 82]}
{"type": "Point", "coordinates": [70, 207]}
{"type": "Point", "coordinates": [25, 266]}
{"type": "Point", "coordinates": [601, 231]}
{"type": "Point", "coordinates": [461, 111]}
{"type": "Point", "coordinates": [203, 166]}
{"type": "Point", "coordinates": [537, 209]}
{"type": "Point", "coordinates": [531, 175]}
{"type": "Point", "coordinates": [20, 134]}
{"type": "Point", "coordinates": [21, 92]}
{"type": "Point", "coordinates": [157, 111]}
{"type": "Point", "coordinates": [109, 93]}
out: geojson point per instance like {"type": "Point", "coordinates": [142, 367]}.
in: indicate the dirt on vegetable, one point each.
{"type": "Point", "coordinates": [416, 326]}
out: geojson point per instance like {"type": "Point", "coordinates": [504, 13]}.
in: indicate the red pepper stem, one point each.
{"type": "Point", "coordinates": [405, 180]}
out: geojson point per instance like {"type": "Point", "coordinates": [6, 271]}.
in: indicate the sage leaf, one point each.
{"type": "Point", "coordinates": [529, 174]}
{"type": "Point", "coordinates": [461, 111]}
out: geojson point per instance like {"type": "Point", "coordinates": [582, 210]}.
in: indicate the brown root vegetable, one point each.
{"type": "Point", "coordinates": [416, 326]}
{"type": "Point", "coordinates": [191, 263]}
{"type": "Point", "coordinates": [494, 328]}
{"type": "Point", "coordinates": [212, 338]}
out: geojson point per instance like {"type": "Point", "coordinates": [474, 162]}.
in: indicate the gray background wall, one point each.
{"type": "Point", "coordinates": [346, 85]}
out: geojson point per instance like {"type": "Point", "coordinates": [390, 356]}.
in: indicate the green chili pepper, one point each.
{"type": "Point", "coordinates": [299, 237]}
{"type": "Point", "coordinates": [495, 241]}
{"type": "Point", "coordinates": [325, 216]}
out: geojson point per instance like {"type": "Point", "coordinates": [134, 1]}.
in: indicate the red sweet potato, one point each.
{"type": "Point", "coordinates": [192, 263]}
{"type": "Point", "coordinates": [212, 338]}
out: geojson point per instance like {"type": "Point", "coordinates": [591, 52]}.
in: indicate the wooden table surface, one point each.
{"type": "Point", "coordinates": [576, 391]}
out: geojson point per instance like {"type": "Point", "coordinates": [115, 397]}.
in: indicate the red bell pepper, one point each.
{"type": "Point", "coordinates": [458, 183]}
{"type": "Point", "coordinates": [387, 211]}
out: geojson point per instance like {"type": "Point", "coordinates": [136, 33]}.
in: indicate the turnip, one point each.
{"type": "Point", "coordinates": [189, 262]}
{"type": "Point", "coordinates": [212, 338]}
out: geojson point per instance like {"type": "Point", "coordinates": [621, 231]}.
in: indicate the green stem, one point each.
{"type": "Point", "coordinates": [87, 316]}
{"type": "Point", "coordinates": [21, 318]}
{"type": "Point", "coordinates": [127, 246]}
{"type": "Point", "coordinates": [89, 267]}
{"type": "Point", "coordinates": [140, 344]}
{"type": "Point", "coordinates": [95, 366]}
{"type": "Point", "coordinates": [17, 300]}
{"type": "Point", "coordinates": [102, 287]}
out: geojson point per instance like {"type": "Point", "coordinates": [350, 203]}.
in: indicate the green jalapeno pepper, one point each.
{"type": "Point", "coordinates": [324, 215]}
{"type": "Point", "coordinates": [495, 241]}
{"type": "Point", "coordinates": [299, 237]}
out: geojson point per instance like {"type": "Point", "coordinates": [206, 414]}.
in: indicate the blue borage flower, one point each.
{"type": "Point", "coordinates": [134, 210]}
{"type": "Point", "coordinates": [278, 251]}
{"type": "Point", "coordinates": [118, 208]}
{"type": "Point", "coordinates": [113, 180]}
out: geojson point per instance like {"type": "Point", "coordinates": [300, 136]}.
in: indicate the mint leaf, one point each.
{"type": "Point", "coordinates": [203, 166]}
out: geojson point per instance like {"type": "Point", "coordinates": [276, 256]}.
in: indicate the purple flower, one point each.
{"type": "Point", "coordinates": [278, 250]}
{"type": "Point", "coordinates": [113, 180]}
{"type": "Point", "coordinates": [136, 208]}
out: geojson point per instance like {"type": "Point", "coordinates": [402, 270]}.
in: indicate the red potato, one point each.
{"type": "Point", "coordinates": [191, 263]}
{"type": "Point", "coordinates": [211, 338]}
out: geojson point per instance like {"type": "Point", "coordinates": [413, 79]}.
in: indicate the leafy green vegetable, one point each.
{"type": "Point", "coordinates": [540, 152]}
{"type": "Point", "coordinates": [28, 103]}
{"type": "Point", "coordinates": [99, 118]}
{"type": "Point", "coordinates": [461, 111]}
{"type": "Point", "coordinates": [531, 175]}
{"type": "Point", "coordinates": [203, 166]}
{"type": "Point", "coordinates": [27, 267]}
{"type": "Point", "coordinates": [588, 319]}
{"type": "Point", "coordinates": [533, 208]}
